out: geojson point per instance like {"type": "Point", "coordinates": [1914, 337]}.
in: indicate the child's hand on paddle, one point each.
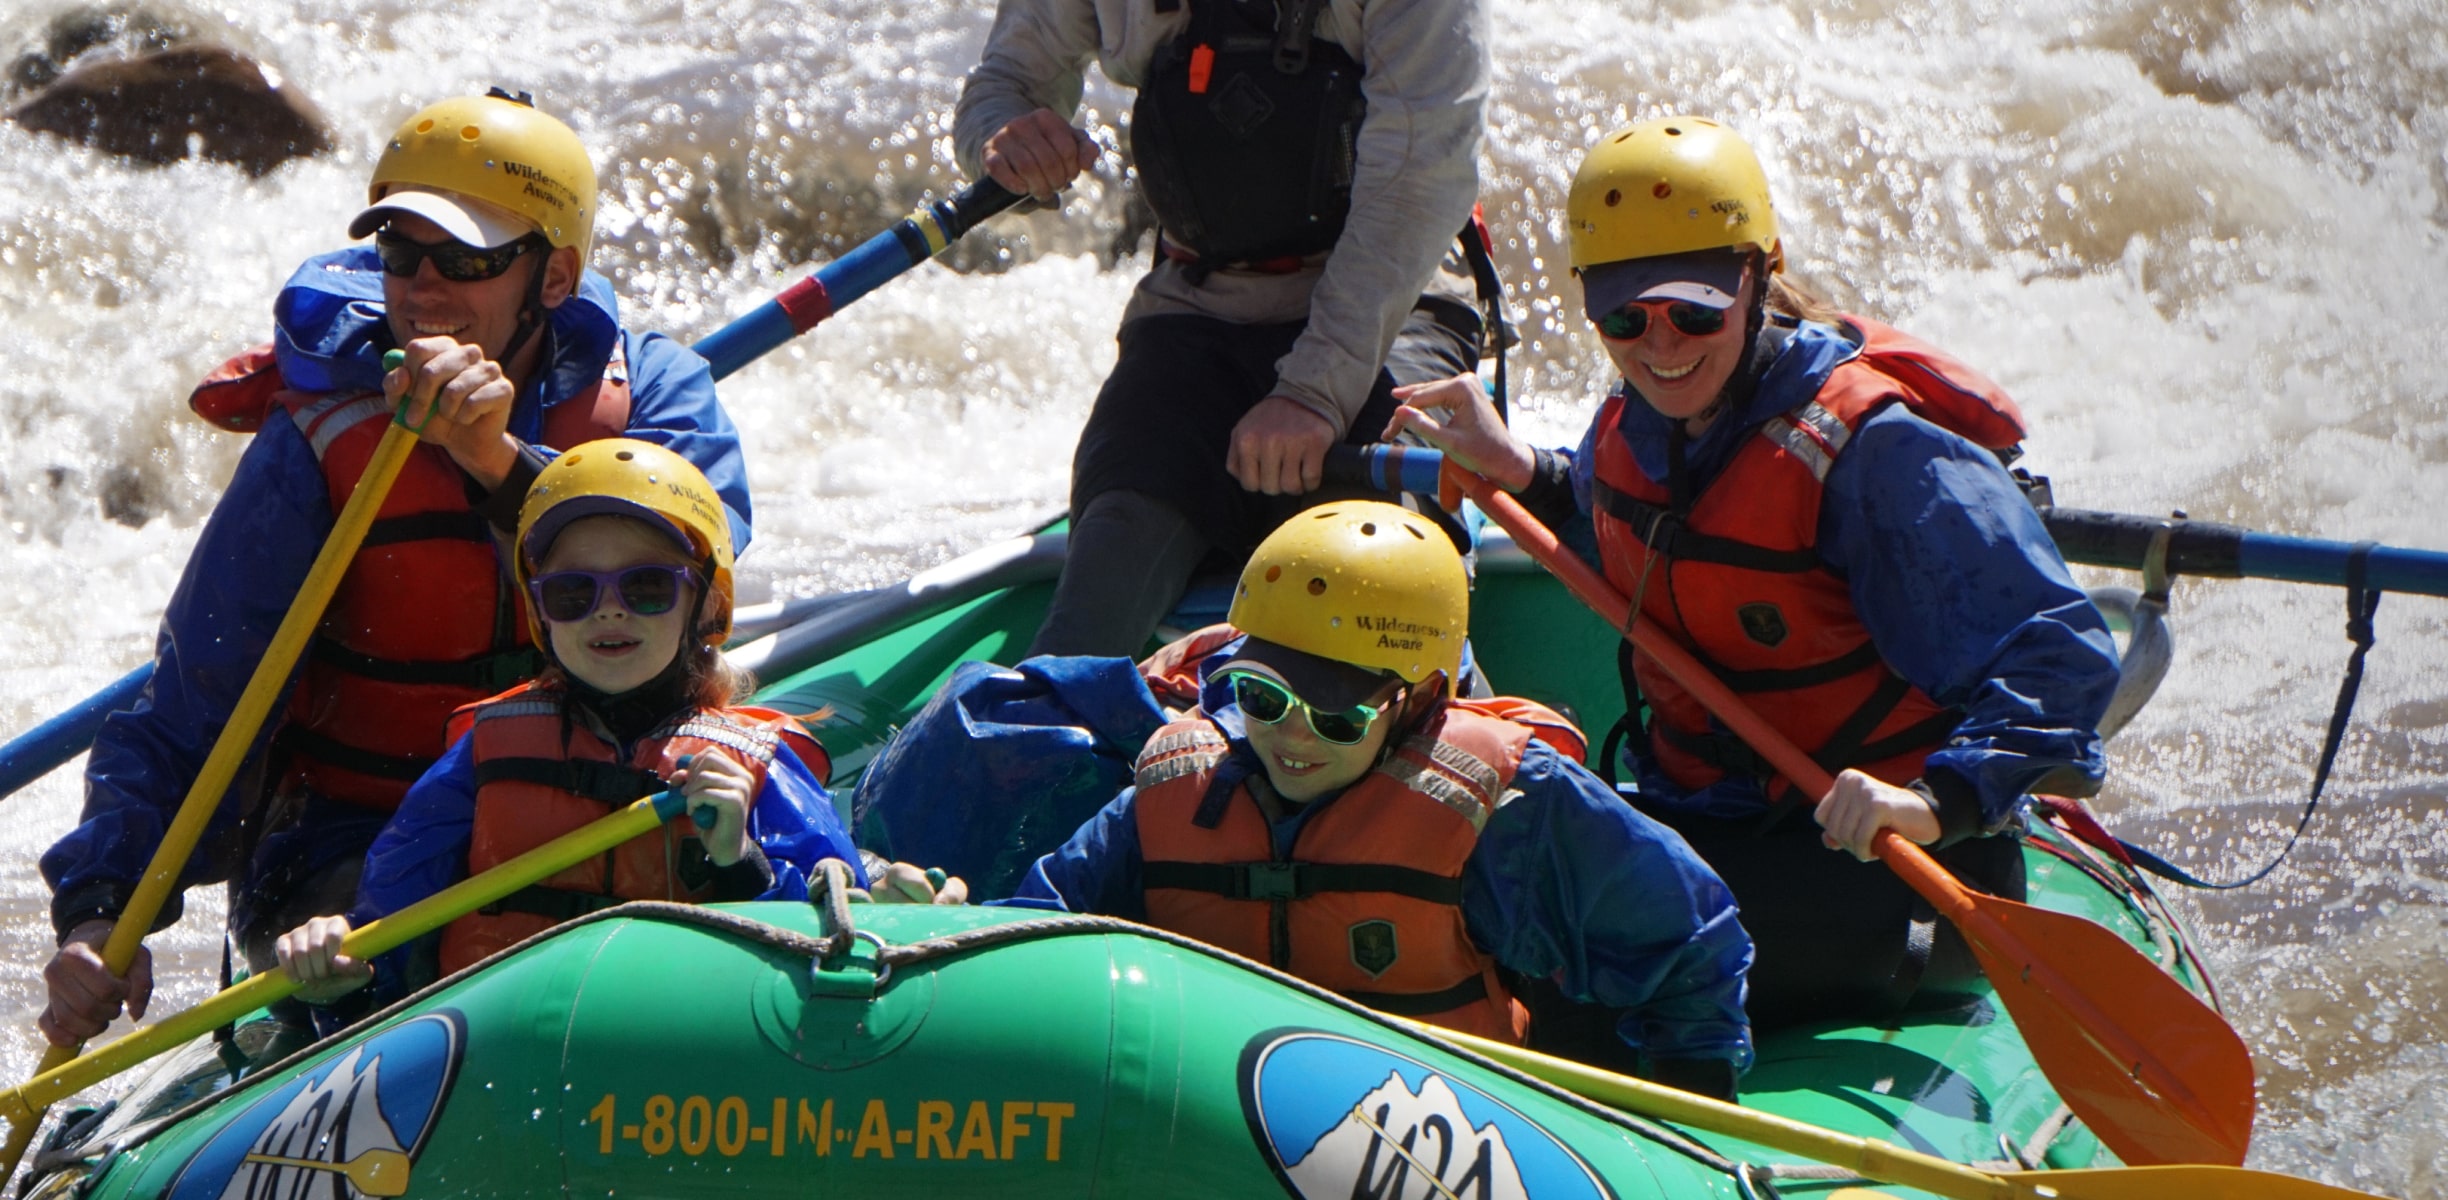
{"type": "Point", "coordinates": [901, 883]}
{"type": "Point", "coordinates": [310, 956]}
{"type": "Point", "coordinates": [715, 781]}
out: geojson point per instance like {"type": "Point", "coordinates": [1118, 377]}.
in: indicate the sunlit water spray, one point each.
{"type": "Point", "coordinates": [2198, 241]}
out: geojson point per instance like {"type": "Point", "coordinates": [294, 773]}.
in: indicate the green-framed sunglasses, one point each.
{"type": "Point", "coordinates": [1265, 699]}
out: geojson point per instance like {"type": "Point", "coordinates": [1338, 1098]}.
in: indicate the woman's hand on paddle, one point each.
{"type": "Point", "coordinates": [84, 996]}
{"type": "Point", "coordinates": [1279, 448]}
{"type": "Point", "coordinates": [901, 883]}
{"type": "Point", "coordinates": [1859, 806]}
{"type": "Point", "coordinates": [1039, 154]}
{"type": "Point", "coordinates": [310, 956]}
{"type": "Point", "coordinates": [468, 399]}
{"type": "Point", "coordinates": [1456, 416]}
{"type": "Point", "coordinates": [715, 780]}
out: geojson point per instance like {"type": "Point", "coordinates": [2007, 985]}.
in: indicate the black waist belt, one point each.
{"type": "Point", "coordinates": [1296, 881]}
{"type": "Point", "coordinates": [602, 782]}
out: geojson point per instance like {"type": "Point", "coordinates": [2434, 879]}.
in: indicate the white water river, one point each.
{"type": "Point", "coordinates": [2196, 239]}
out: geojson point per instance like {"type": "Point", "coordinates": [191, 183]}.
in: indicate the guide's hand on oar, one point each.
{"type": "Point", "coordinates": [902, 883]}
{"type": "Point", "coordinates": [1854, 811]}
{"type": "Point", "coordinates": [1039, 154]}
{"type": "Point", "coordinates": [310, 956]}
{"type": "Point", "coordinates": [458, 399]}
{"type": "Point", "coordinates": [84, 996]}
{"type": "Point", "coordinates": [1279, 448]}
{"type": "Point", "coordinates": [718, 789]}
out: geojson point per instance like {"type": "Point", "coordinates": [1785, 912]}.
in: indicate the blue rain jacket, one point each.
{"type": "Point", "coordinates": [1959, 584]}
{"type": "Point", "coordinates": [255, 552]}
{"type": "Point", "coordinates": [1002, 764]}
{"type": "Point", "coordinates": [424, 848]}
{"type": "Point", "coordinates": [1567, 882]}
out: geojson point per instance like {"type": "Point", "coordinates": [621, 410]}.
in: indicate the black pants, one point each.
{"type": "Point", "coordinates": [1150, 499]}
{"type": "Point", "coordinates": [1836, 937]}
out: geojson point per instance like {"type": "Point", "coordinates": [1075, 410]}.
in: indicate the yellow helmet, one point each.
{"type": "Point", "coordinates": [1669, 186]}
{"type": "Point", "coordinates": [496, 148]}
{"type": "Point", "coordinates": [1361, 582]}
{"type": "Point", "coordinates": [629, 478]}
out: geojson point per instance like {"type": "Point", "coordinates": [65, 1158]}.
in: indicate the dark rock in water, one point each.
{"type": "Point", "coordinates": [128, 29]}
{"type": "Point", "coordinates": [159, 108]}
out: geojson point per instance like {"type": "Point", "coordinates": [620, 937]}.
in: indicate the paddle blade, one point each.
{"type": "Point", "coordinates": [2150, 1068]}
{"type": "Point", "coordinates": [2192, 1183]}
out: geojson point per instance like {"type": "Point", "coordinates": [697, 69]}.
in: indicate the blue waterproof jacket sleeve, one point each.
{"type": "Point", "coordinates": [1568, 882]}
{"type": "Point", "coordinates": [1097, 871]}
{"type": "Point", "coordinates": [248, 563]}
{"type": "Point", "coordinates": [795, 824]}
{"type": "Point", "coordinates": [1966, 596]}
{"type": "Point", "coordinates": [1001, 765]}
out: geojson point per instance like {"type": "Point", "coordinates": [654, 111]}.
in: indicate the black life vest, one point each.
{"type": "Point", "coordinates": [1245, 132]}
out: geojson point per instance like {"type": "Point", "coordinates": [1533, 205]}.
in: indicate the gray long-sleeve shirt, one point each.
{"type": "Point", "coordinates": [1424, 67]}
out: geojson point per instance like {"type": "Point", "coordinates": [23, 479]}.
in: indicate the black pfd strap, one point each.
{"type": "Point", "coordinates": [1663, 531]}
{"type": "Point", "coordinates": [1228, 776]}
{"type": "Point", "coordinates": [1844, 747]}
{"type": "Point", "coordinates": [403, 768]}
{"type": "Point", "coordinates": [489, 673]}
{"type": "Point", "coordinates": [1423, 1004]}
{"type": "Point", "coordinates": [1299, 881]}
{"type": "Point", "coordinates": [1295, 21]}
{"type": "Point", "coordinates": [551, 903]}
{"type": "Point", "coordinates": [602, 782]}
{"type": "Point", "coordinates": [2362, 601]}
{"type": "Point", "coordinates": [1496, 330]}
{"type": "Point", "coordinates": [465, 525]}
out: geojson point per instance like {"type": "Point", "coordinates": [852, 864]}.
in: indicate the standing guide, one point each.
{"type": "Point", "coordinates": [482, 210]}
{"type": "Point", "coordinates": [1308, 164]}
{"type": "Point", "coordinates": [1818, 507]}
{"type": "Point", "coordinates": [1333, 810]}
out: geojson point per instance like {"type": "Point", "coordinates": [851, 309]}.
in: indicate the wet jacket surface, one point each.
{"type": "Point", "coordinates": [1565, 881]}
{"type": "Point", "coordinates": [255, 552]}
{"type": "Point", "coordinates": [1950, 570]}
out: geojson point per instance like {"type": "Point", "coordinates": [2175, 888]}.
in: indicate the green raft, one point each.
{"type": "Point", "coordinates": [657, 1050]}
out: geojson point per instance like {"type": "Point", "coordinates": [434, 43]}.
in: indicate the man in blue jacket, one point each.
{"type": "Point", "coordinates": [1331, 810]}
{"type": "Point", "coordinates": [482, 211]}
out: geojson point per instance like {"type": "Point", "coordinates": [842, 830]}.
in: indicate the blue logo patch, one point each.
{"type": "Point", "coordinates": [351, 1127]}
{"type": "Point", "coordinates": [1343, 1119]}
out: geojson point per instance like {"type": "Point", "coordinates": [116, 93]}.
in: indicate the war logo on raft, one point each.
{"type": "Point", "coordinates": [1343, 1119]}
{"type": "Point", "coordinates": [351, 1127]}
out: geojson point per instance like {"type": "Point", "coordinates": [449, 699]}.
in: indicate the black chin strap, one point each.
{"type": "Point", "coordinates": [531, 307]}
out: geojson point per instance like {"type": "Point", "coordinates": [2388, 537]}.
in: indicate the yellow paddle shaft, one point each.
{"type": "Point", "coordinates": [1884, 1161]}
{"type": "Point", "coordinates": [263, 690]}
{"type": "Point", "coordinates": [24, 1105]}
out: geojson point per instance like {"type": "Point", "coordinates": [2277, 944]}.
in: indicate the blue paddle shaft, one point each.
{"type": "Point", "coordinates": [804, 305]}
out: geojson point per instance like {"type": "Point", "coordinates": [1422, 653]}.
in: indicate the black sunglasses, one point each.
{"type": "Point", "coordinates": [648, 591]}
{"type": "Point", "coordinates": [1632, 320]}
{"type": "Point", "coordinates": [454, 260]}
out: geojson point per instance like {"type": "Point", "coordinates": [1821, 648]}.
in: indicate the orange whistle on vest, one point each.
{"type": "Point", "coordinates": [1202, 65]}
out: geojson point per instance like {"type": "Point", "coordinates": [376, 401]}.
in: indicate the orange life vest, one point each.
{"type": "Point", "coordinates": [1369, 900]}
{"type": "Point", "coordinates": [1737, 578]}
{"type": "Point", "coordinates": [425, 620]}
{"type": "Point", "coordinates": [539, 776]}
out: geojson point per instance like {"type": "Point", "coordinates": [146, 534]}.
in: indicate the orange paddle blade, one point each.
{"type": "Point", "coordinates": [2149, 1067]}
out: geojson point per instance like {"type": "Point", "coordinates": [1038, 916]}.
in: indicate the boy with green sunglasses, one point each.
{"type": "Point", "coordinates": [1334, 811]}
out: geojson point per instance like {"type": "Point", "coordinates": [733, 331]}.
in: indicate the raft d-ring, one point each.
{"type": "Point", "coordinates": [849, 977]}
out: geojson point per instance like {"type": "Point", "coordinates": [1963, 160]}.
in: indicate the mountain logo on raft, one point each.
{"type": "Point", "coordinates": [350, 1127]}
{"type": "Point", "coordinates": [1343, 1119]}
